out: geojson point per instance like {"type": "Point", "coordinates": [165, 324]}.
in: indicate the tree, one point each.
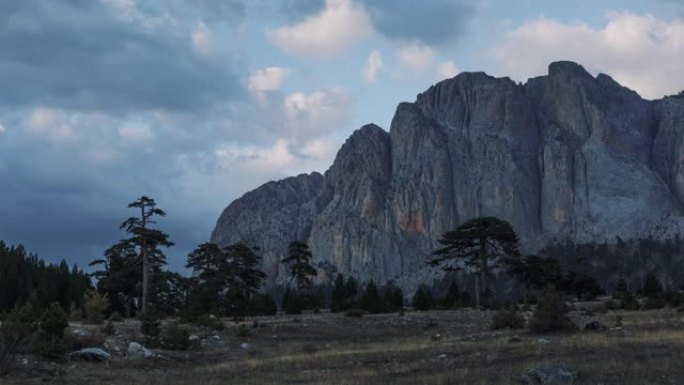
{"type": "Point", "coordinates": [535, 272]}
{"type": "Point", "coordinates": [481, 245]}
{"type": "Point", "coordinates": [225, 278]}
{"type": "Point", "coordinates": [120, 276]}
{"type": "Point", "coordinates": [422, 300]}
{"type": "Point", "coordinates": [453, 296]}
{"type": "Point", "coordinates": [370, 300]}
{"type": "Point", "coordinates": [299, 259]}
{"type": "Point", "coordinates": [339, 295]}
{"type": "Point", "coordinates": [652, 287]}
{"type": "Point", "coordinates": [551, 313]}
{"type": "Point", "coordinates": [394, 297]}
{"type": "Point", "coordinates": [147, 240]}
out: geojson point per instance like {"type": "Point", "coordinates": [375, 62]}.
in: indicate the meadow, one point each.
{"type": "Point", "coordinates": [432, 347]}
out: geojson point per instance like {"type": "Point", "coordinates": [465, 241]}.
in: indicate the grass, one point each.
{"type": "Point", "coordinates": [394, 349]}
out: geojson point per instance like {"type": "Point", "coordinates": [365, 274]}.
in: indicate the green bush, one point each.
{"type": "Point", "coordinates": [109, 329]}
{"type": "Point", "coordinates": [115, 317]}
{"type": "Point", "coordinates": [629, 302]}
{"type": "Point", "coordinates": [243, 331]}
{"type": "Point", "coordinates": [175, 337]}
{"type": "Point", "coordinates": [209, 321]}
{"type": "Point", "coordinates": [17, 332]}
{"type": "Point", "coordinates": [354, 313]}
{"type": "Point", "coordinates": [507, 319]}
{"type": "Point", "coordinates": [654, 303]}
{"type": "Point", "coordinates": [150, 324]}
{"type": "Point", "coordinates": [94, 306]}
{"type": "Point", "coordinates": [551, 314]}
{"type": "Point", "coordinates": [53, 321]}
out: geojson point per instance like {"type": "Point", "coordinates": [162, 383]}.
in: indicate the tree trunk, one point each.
{"type": "Point", "coordinates": [477, 292]}
{"type": "Point", "coordinates": [146, 278]}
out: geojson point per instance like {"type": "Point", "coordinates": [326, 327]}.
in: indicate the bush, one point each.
{"type": "Point", "coordinates": [243, 331]}
{"type": "Point", "coordinates": [150, 324]}
{"type": "Point", "coordinates": [629, 302]}
{"type": "Point", "coordinates": [175, 337]}
{"type": "Point", "coordinates": [654, 303]}
{"type": "Point", "coordinates": [115, 317]}
{"type": "Point", "coordinates": [551, 314]}
{"type": "Point", "coordinates": [109, 329]}
{"type": "Point", "coordinates": [507, 319]}
{"type": "Point", "coordinates": [94, 306]}
{"type": "Point", "coordinates": [209, 321]}
{"type": "Point", "coordinates": [17, 331]}
{"type": "Point", "coordinates": [53, 321]}
{"type": "Point", "coordinates": [354, 313]}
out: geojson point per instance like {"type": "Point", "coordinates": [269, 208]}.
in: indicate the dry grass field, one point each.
{"type": "Point", "coordinates": [437, 347]}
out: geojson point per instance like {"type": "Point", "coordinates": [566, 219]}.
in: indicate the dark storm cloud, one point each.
{"type": "Point", "coordinates": [79, 54]}
{"type": "Point", "coordinates": [434, 22]}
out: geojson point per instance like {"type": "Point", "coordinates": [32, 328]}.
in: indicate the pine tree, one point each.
{"type": "Point", "coordinates": [551, 313]}
{"type": "Point", "coordinates": [394, 297]}
{"type": "Point", "coordinates": [299, 260]}
{"type": "Point", "coordinates": [226, 278]}
{"type": "Point", "coordinates": [339, 295]}
{"type": "Point", "coordinates": [370, 300]}
{"type": "Point", "coordinates": [652, 287]}
{"type": "Point", "coordinates": [480, 244]}
{"type": "Point", "coordinates": [422, 300]}
{"type": "Point", "coordinates": [453, 296]}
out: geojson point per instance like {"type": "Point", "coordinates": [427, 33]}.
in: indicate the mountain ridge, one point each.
{"type": "Point", "coordinates": [563, 156]}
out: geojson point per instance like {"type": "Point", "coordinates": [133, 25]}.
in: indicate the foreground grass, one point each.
{"type": "Point", "coordinates": [440, 347]}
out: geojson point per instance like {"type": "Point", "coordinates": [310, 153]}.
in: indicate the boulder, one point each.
{"type": "Point", "coordinates": [549, 375]}
{"type": "Point", "coordinates": [136, 350]}
{"type": "Point", "coordinates": [90, 354]}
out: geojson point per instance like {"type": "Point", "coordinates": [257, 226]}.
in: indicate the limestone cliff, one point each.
{"type": "Point", "coordinates": [564, 156]}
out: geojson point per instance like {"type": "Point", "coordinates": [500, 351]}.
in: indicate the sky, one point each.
{"type": "Point", "coordinates": [196, 102]}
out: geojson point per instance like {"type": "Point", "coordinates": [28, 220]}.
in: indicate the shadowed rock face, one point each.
{"type": "Point", "coordinates": [565, 156]}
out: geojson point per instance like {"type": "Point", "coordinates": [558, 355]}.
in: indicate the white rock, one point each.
{"type": "Point", "coordinates": [137, 350]}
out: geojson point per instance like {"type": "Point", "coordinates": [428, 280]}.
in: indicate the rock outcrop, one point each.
{"type": "Point", "coordinates": [564, 156]}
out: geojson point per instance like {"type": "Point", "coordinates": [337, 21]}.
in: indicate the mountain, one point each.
{"type": "Point", "coordinates": [566, 156]}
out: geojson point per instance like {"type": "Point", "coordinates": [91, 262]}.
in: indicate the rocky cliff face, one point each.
{"type": "Point", "coordinates": [565, 156]}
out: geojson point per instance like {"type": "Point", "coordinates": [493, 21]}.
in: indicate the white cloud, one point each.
{"type": "Point", "coordinates": [416, 55]}
{"type": "Point", "coordinates": [254, 158]}
{"type": "Point", "coordinates": [267, 79]}
{"type": "Point", "coordinates": [327, 33]}
{"type": "Point", "coordinates": [2, 128]}
{"type": "Point", "coordinates": [202, 39]}
{"type": "Point", "coordinates": [373, 66]}
{"type": "Point", "coordinates": [128, 11]}
{"type": "Point", "coordinates": [316, 114]}
{"type": "Point", "coordinates": [640, 52]}
{"type": "Point", "coordinates": [49, 123]}
{"type": "Point", "coordinates": [446, 70]}
{"type": "Point", "coordinates": [135, 132]}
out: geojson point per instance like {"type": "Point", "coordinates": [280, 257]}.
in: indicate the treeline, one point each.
{"type": "Point", "coordinates": [25, 278]}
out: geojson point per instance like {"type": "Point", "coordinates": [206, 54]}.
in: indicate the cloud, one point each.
{"type": "Point", "coordinates": [2, 129]}
{"type": "Point", "coordinates": [316, 114]}
{"type": "Point", "coordinates": [447, 70]}
{"type": "Point", "coordinates": [87, 55]}
{"type": "Point", "coordinates": [202, 40]}
{"type": "Point", "coordinates": [416, 55]}
{"type": "Point", "coordinates": [640, 52]}
{"type": "Point", "coordinates": [268, 79]}
{"type": "Point", "coordinates": [373, 66]}
{"type": "Point", "coordinates": [136, 132]}
{"type": "Point", "coordinates": [325, 34]}
{"type": "Point", "coordinates": [435, 22]}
